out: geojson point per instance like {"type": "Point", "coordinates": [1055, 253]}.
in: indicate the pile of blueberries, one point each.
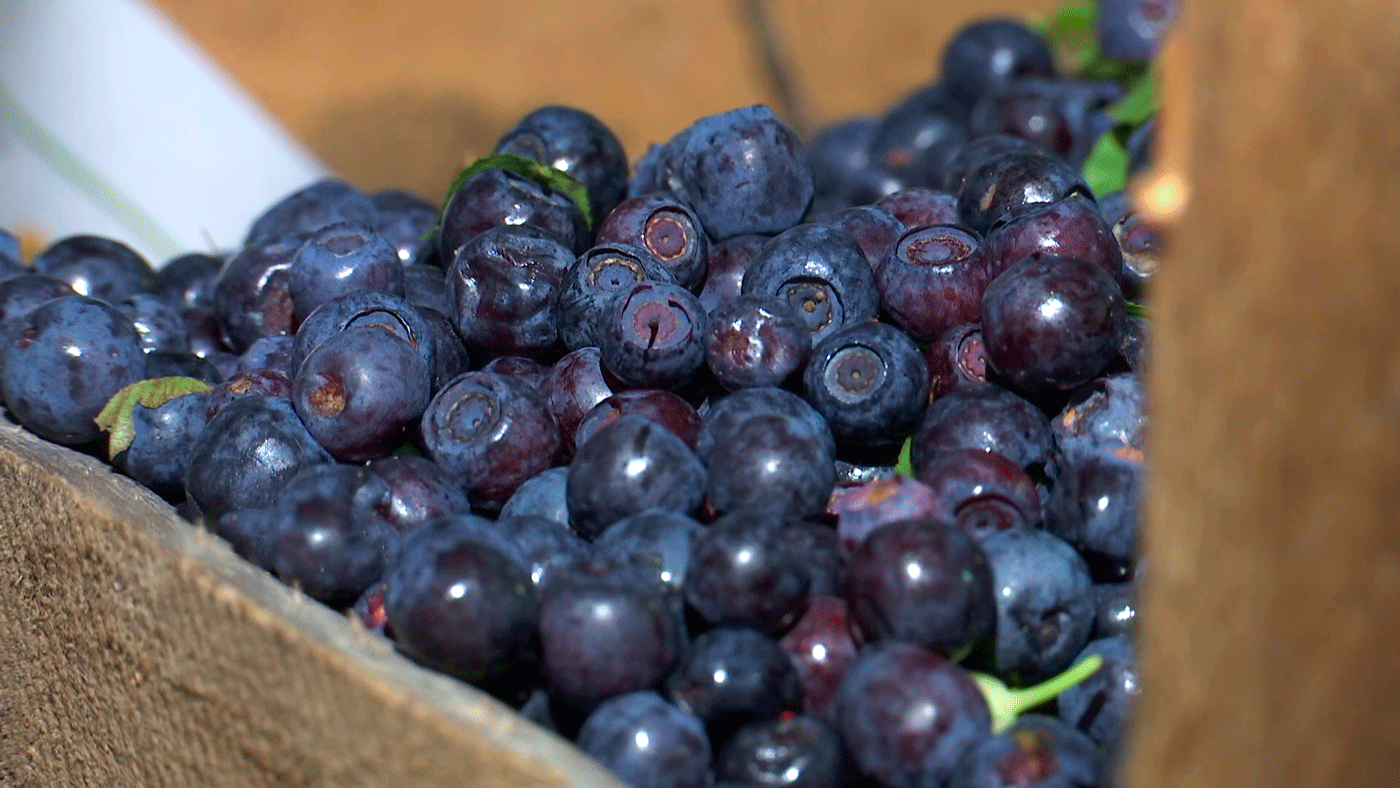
{"type": "Point", "coordinates": [737, 473]}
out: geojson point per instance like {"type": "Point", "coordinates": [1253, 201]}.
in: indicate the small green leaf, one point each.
{"type": "Point", "coordinates": [1139, 104]}
{"type": "Point", "coordinates": [1137, 310]}
{"type": "Point", "coordinates": [115, 416]}
{"type": "Point", "coordinates": [905, 464]}
{"type": "Point", "coordinates": [1007, 704]}
{"type": "Point", "coordinates": [1106, 169]}
{"type": "Point", "coordinates": [545, 176]}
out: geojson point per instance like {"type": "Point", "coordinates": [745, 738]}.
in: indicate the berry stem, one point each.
{"type": "Point", "coordinates": [1007, 704]}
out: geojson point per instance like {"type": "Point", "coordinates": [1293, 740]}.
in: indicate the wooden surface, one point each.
{"type": "Point", "coordinates": [399, 94]}
{"type": "Point", "coordinates": [138, 651]}
{"type": "Point", "coordinates": [1271, 637]}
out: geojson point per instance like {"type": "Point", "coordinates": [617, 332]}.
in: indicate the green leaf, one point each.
{"type": "Point", "coordinates": [545, 176]}
{"type": "Point", "coordinates": [1139, 104]}
{"type": "Point", "coordinates": [1106, 169]}
{"type": "Point", "coordinates": [905, 464]}
{"type": "Point", "coordinates": [1137, 310]}
{"type": "Point", "coordinates": [115, 416]}
{"type": "Point", "coordinates": [1070, 32]}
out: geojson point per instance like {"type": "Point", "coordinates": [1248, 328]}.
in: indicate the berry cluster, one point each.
{"type": "Point", "coordinates": [758, 461]}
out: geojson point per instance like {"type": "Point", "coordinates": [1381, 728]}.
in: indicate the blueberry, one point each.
{"type": "Point", "coordinates": [491, 432]}
{"type": "Point", "coordinates": [744, 572]}
{"type": "Point", "coordinates": [666, 408]}
{"type": "Point", "coordinates": [308, 209]}
{"type": "Point", "coordinates": [420, 491]}
{"type": "Point", "coordinates": [729, 260]}
{"type": "Point", "coordinates": [1072, 227]}
{"type": "Point", "coordinates": [956, 359]}
{"type": "Point", "coordinates": [98, 267]}
{"type": "Point", "coordinates": [923, 581]}
{"type": "Point", "coordinates": [755, 340]}
{"type": "Point", "coordinates": [188, 280]}
{"type": "Point", "coordinates": [63, 361]}
{"type": "Point", "coordinates": [528, 370]}
{"type": "Point", "coordinates": [158, 323]}
{"type": "Point", "coordinates": [745, 171]}
{"type": "Point", "coordinates": [1102, 704]}
{"type": "Point", "coordinates": [589, 286]}
{"type": "Point", "coordinates": [1003, 186]}
{"type": "Point", "coordinates": [340, 259]}
{"type": "Point", "coordinates": [1052, 322]}
{"type": "Point", "coordinates": [918, 135]}
{"type": "Point", "coordinates": [402, 218]}
{"type": "Point", "coordinates": [773, 463]}
{"type": "Point", "coordinates": [543, 495]}
{"type": "Point", "coordinates": [874, 228]}
{"type": "Point", "coordinates": [1062, 117]}
{"type": "Point", "coordinates": [837, 153]}
{"type": "Point", "coordinates": [1096, 506]}
{"type": "Point", "coordinates": [269, 353]}
{"type": "Point", "coordinates": [1036, 750]}
{"type": "Point", "coordinates": [162, 437]}
{"type": "Point", "coordinates": [797, 752]}
{"type": "Point", "coordinates": [252, 383]}
{"type": "Point", "coordinates": [822, 646]}
{"type": "Point", "coordinates": [574, 386]}
{"type": "Point", "coordinates": [1132, 30]}
{"type": "Point", "coordinates": [822, 272]}
{"type": "Point", "coordinates": [652, 336]}
{"type": "Point", "coordinates": [1044, 603]}
{"type": "Point", "coordinates": [655, 540]}
{"type": "Point", "coordinates": [862, 508]}
{"type": "Point", "coordinates": [458, 603]}
{"type": "Point", "coordinates": [725, 418]}
{"type": "Point", "coordinates": [604, 631]}
{"type": "Point", "coordinates": [990, 418]}
{"type": "Point", "coordinates": [366, 308]}
{"type": "Point", "coordinates": [647, 742]}
{"type": "Point", "coordinates": [933, 278]}
{"type": "Point", "coordinates": [546, 545]}
{"type": "Point", "coordinates": [496, 198]}
{"type": "Point", "coordinates": [360, 391]}
{"type": "Point", "coordinates": [20, 294]}
{"type": "Point", "coordinates": [629, 466]}
{"type": "Point", "coordinates": [869, 381]}
{"type": "Point", "coordinates": [246, 453]}
{"type": "Point", "coordinates": [1107, 413]}
{"type": "Point", "coordinates": [425, 287]}
{"type": "Point", "coordinates": [1141, 244]}
{"type": "Point", "coordinates": [578, 144]}
{"type": "Point", "coordinates": [919, 206]}
{"type": "Point", "coordinates": [992, 51]}
{"type": "Point", "coordinates": [251, 296]}
{"type": "Point", "coordinates": [11, 256]}
{"type": "Point", "coordinates": [1115, 609]}
{"type": "Point", "coordinates": [731, 676]}
{"type": "Point", "coordinates": [501, 287]}
{"type": "Point", "coordinates": [668, 229]}
{"type": "Point", "coordinates": [982, 491]}
{"type": "Point", "coordinates": [172, 364]}
{"type": "Point", "coordinates": [973, 154]}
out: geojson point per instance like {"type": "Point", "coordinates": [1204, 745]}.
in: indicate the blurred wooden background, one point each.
{"type": "Point", "coordinates": [398, 94]}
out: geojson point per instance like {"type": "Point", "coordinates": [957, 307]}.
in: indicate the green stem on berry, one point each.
{"type": "Point", "coordinates": [905, 464]}
{"type": "Point", "coordinates": [1137, 310]}
{"type": "Point", "coordinates": [1007, 704]}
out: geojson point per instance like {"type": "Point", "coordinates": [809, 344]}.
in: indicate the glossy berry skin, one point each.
{"type": "Point", "coordinates": [1004, 186]}
{"type": "Point", "coordinates": [1102, 704]}
{"type": "Point", "coordinates": [21, 293]}
{"type": "Point", "coordinates": [541, 495]}
{"type": "Point", "coordinates": [450, 355]}
{"type": "Point", "coordinates": [918, 134]}
{"type": "Point", "coordinates": [97, 267]}
{"type": "Point", "coordinates": [1044, 603]}
{"type": "Point", "coordinates": [993, 51]}
{"type": "Point", "coordinates": [458, 603]}
{"type": "Point", "coordinates": [744, 572]}
{"type": "Point", "coordinates": [647, 742]}
{"type": "Point", "coordinates": [578, 144]}
{"type": "Point", "coordinates": [775, 464]}
{"type": "Point", "coordinates": [501, 288]}
{"type": "Point", "coordinates": [862, 508]}
{"type": "Point", "coordinates": [874, 228]}
{"type": "Point", "coordinates": [170, 364]}
{"type": "Point", "coordinates": [402, 218]}
{"type": "Point", "coordinates": [869, 381]}
{"type": "Point", "coordinates": [318, 204]}
{"type": "Point", "coordinates": [796, 752]}
{"type": "Point", "coordinates": [269, 353]}
{"type": "Point", "coordinates": [604, 632]}
{"type": "Point", "coordinates": [822, 272]}
{"type": "Point", "coordinates": [527, 369]}
{"type": "Point", "coordinates": [589, 286]}
{"type": "Point", "coordinates": [652, 336]}
{"type": "Point", "coordinates": [63, 361]}
{"type": "Point", "coordinates": [246, 453]}
{"type": "Point", "coordinates": [656, 541]}
{"type": "Point", "coordinates": [188, 280]}
{"type": "Point", "coordinates": [822, 645]}
{"type": "Point", "coordinates": [933, 278]}
{"type": "Point", "coordinates": [360, 391]}
{"type": "Point", "coordinates": [956, 359]}
{"type": "Point", "coordinates": [491, 432]}
{"type": "Point", "coordinates": [1062, 117]}
{"type": "Point", "coordinates": [908, 715]}
{"type": "Point", "coordinates": [251, 296]}
{"type": "Point", "coordinates": [1115, 609]}
{"type": "Point", "coordinates": [982, 491]}
{"type": "Point", "coordinates": [973, 154]}
{"type": "Point", "coordinates": [668, 229]}
{"type": "Point", "coordinates": [546, 546]}
{"type": "Point", "coordinates": [745, 171]}
{"type": "Point", "coordinates": [340, 259]}
{"type": "Point", "coordinates": [574, 385]}
{"type": "Point", "coordinates": [836, 153]}
{"type": "Point", "coordinates": [157, 322]}
{"type": "Point", "coordinates": [159, 454]}
{"type": "Point", "coordinates": [990, 418]}
{"type": "Point", "coordinates": [1096, 506]}
{"type": "Point", "coordinates": [366, 308]}
{"type": "Point", "coordinates": [755, 340]}
{"type": "Point", "coordinates": [922, 581]}
{"type": "Point", "coordinates": [1052, 323]}
{"type": "Point", "coordinates": [730, 676]}
{"type": "Point", "coordinates": [1071, 227]}
{"type": "Point", "coordinates": [728, 262]}
{"type": "Point", "coordinates": [252, 383]}
{"type": "Point", "coordinates": [425, 287]}
{"type": "Point", "coordinates": [1106, 413]}
{"type": "Point", "coordinates": [919, 206]}
{"type": "Point", "coordinates": [332, 542]}
{"type": "Point", "coordinates": [420, 491]}
{"type": "Point", "coordinates": [496, 198]}
{"type": "Point", "coordinates": [629, 466]}
{"type": "Point", "coordinates": [1141, 244]}
{"type": "Point", "coordinates": [1035, 752]}
{"type": "Point", "coordinates": [725, 418]}
{"type": "Point", "coordinates": [666, 408]}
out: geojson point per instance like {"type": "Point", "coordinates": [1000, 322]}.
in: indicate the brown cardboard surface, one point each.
{"type": "Point", "coordinates": [399, 94]}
